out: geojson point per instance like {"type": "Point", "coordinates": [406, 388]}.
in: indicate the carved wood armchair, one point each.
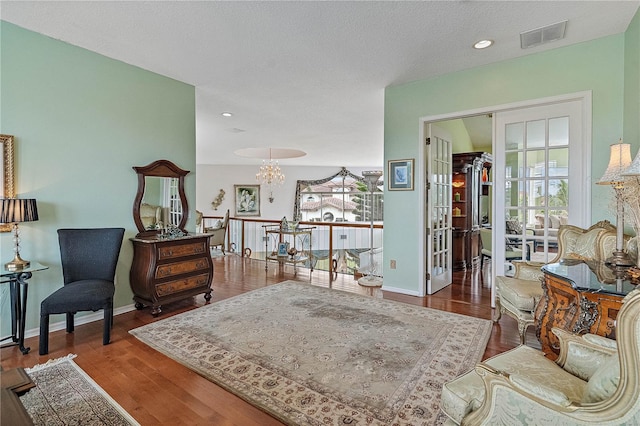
{"type": "Point", "coordinates": [594, 381]}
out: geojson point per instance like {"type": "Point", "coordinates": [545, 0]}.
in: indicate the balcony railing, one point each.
{"type": "Point", "coordinates": [335, 247]}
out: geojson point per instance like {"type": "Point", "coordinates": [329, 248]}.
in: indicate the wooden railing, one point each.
{"type": "Point", "coordinates": [335, 246]}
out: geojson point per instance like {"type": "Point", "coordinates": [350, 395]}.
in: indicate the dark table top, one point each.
{"type": "Point", "coordinates": [591, 276]}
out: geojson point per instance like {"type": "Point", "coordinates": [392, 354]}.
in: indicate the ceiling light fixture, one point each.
{"type": "Point", "coordinates": [482, 44]}
{"type": "Point", "coordinates": [227, 114]}
{"type": "Point", "coordinates": [270, 174]}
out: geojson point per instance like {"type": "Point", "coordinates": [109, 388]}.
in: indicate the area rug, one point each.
{"type": "Point", "coordinates": [309, 355]}
{"type": "Point", "coordinates": [66, 395]}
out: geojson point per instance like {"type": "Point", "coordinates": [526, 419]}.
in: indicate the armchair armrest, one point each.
{"type": "Point", "coordinates": [582, 355]}
{"type": "Point", "coordinates": [504, 391]}
{"type": "Point", "coordinates": [526, 270]}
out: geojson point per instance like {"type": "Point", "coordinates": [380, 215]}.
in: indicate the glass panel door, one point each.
{"type": "Point", "coordinates": [439, 195]}
{"type": "Point", "coordinates": [538, 157]}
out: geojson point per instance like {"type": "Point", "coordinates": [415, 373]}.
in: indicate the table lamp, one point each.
{"type": "Point", "coordinates": [13, 211]}
{"type": "Point", "coordinates": [619, 161]}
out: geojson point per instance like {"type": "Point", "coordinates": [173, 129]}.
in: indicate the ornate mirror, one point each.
{"type": "Point", "coordinates": [160, 201]}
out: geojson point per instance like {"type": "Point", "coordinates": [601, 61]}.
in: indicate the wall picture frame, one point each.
{"type": "Point", "coordinates": [400, 175]}
{"type": "Point", "coordinates": [7, 190]}
{"type": "Point", "coordinates": [247, 200]}
{"type": "Point", "coordinates": [283, 249]}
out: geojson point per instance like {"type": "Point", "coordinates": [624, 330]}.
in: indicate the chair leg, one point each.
{"type": "Point", "coordinates": [108, 321]}
{"type": "Point", "coordinates": [522, 331]}
{"type": "Point", "coordinates": [43, 348]}
{"type": "Point", "coordinates": [70, 322]}
{"type": "Point", "coordinates": [497, 314]}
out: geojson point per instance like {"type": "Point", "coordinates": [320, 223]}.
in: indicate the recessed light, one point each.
{"type": "Point", "coordinates": [227, 114]}
{"type": "Point", "coordinates": [482, 44]}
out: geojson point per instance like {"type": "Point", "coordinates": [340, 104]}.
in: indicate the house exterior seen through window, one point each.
{"type": "Point", "coordinates": [341, 199]}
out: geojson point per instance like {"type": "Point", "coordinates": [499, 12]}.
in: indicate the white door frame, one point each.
{"type": "Point", "coordinates": [585, 97]}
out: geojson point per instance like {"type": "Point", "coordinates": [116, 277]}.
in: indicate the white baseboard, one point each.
{"type": "Point", "coordinates": [400, 290]}
{"type": "Point", "coordinates": [85, 319]}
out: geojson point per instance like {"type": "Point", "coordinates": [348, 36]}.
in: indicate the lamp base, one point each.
{"type": "Point", "coordinates": [17, 264]}
{"type": "Point", "coordinates": [620, 258]}
{"type": "Point", "coordinates": [370, 281]}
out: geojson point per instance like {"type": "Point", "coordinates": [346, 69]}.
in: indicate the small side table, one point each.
{"type": "Point", "coordinates": [18, 288]}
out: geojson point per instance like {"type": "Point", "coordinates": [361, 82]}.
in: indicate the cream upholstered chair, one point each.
{"type": "Point", "coordinates": [594, 381]}
{"type": "Point", "coordinates": [517, 296]}
{"type": "Point", "coordinates": [511, 253]}
{"type": "Point", "coordinates": [219, 233]}
{"type": "Point", "coordinates": [151, 216]}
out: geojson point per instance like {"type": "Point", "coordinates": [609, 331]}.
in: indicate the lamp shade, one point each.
{"type": "Point", "coordinates": [14, 210]}
{"type": "Point", "coordinates": [634, 168]}
{"type": "Point", "coordinates": [619, 161]}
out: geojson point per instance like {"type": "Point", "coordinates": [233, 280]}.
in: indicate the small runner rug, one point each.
{"type": "Point", "coordinates": [66, 395]}
{"type": "Point", "coordinates": [309, 355]}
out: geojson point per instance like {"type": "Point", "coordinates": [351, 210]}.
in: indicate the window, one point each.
{"type": "Point", "coordinates": [343, 197]}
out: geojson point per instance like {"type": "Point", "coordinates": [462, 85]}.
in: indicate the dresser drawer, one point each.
{"type": "Point", "coordinates": [181, 250]}
{"type": "Point", "coordinates": [178, 268]}
{"type": "Point", "coordinates": [177, 286]}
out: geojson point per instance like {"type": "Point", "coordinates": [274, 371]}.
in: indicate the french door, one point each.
{"type": "Point", "coordinates": [541, 178]}
{"type": "Point", "coordinates": [438, 209]}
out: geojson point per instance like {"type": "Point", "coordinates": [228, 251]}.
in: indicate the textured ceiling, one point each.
{"type": "Point", "coordinates": [302, 74]}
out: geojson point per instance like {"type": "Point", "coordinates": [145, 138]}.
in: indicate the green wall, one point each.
{"type": "Point", "coordinates": [459, 134]}
{"type": "Point", "coordinates": [632, 84]}
{"type": "Point", "coordinates": [596, 66]}
{"type": "Point", "coordinates": [81, 121]}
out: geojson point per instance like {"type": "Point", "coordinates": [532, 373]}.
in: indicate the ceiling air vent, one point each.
{"type": "Point", "coordinates": [542, 35]}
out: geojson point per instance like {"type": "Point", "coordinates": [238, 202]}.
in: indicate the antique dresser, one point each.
{"type": "Point", "coordinates": [169, 264]}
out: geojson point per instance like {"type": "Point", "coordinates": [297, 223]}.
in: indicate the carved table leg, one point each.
{"type": "Point", "coordinates": [155, 311]}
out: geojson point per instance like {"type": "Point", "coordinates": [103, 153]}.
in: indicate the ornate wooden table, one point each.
{"type": "Point", "coordinates": [580, 297]}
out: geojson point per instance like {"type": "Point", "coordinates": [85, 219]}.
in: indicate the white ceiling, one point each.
{"type": "Point", "coordinates": [308, 75]}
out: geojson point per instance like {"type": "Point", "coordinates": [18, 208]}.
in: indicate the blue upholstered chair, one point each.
{"type": "Point", "coordinates": [89, 258]}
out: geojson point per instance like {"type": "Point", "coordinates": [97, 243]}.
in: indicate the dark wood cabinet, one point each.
{"type": "Point", "coordinates": [470, 182]}
{"type": "Point", "coordinates": [167, 270]}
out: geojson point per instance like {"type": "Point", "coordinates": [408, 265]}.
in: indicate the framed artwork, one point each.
{"type": "Point", "coordinates": [7, 190]}
{"type": "Point", "coordinates": [247, 200]}
{"type": "Point", "coordinates": [400, 175]}
{"type": "Point", "coordinates": [283, 249]}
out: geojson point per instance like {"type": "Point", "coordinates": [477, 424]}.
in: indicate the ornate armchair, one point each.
{"type": "Point", "coordinates": [218, 233]}
{"type": "Point", "coordinates": [517, 296]}
{"type": "Point", "coordinates": [594, 381]}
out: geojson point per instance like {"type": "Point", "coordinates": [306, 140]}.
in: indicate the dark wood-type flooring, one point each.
{"type": "Point", "coordinates": [159, 391]}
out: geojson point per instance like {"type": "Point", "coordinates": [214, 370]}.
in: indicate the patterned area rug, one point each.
{"type": "Point", "coordinates": [66, 395]}
{"type": "Point", "coordinates": [314, 356]}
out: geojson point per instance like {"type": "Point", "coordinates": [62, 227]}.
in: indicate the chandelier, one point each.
{"type": "Point", "coordinates": [270, 174]}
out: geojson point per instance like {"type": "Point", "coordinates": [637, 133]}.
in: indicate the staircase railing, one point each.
{"type": "Point", "coordinates": [336, 247]}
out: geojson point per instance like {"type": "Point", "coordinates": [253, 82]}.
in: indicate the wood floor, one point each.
{"type": "Point", "coordinates": [158, 391]}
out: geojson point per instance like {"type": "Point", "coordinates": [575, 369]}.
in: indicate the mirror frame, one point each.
{"type": "Point", "coordinates": [159, 168]}
{"type": "Point", "coordinates": [8, 175]}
